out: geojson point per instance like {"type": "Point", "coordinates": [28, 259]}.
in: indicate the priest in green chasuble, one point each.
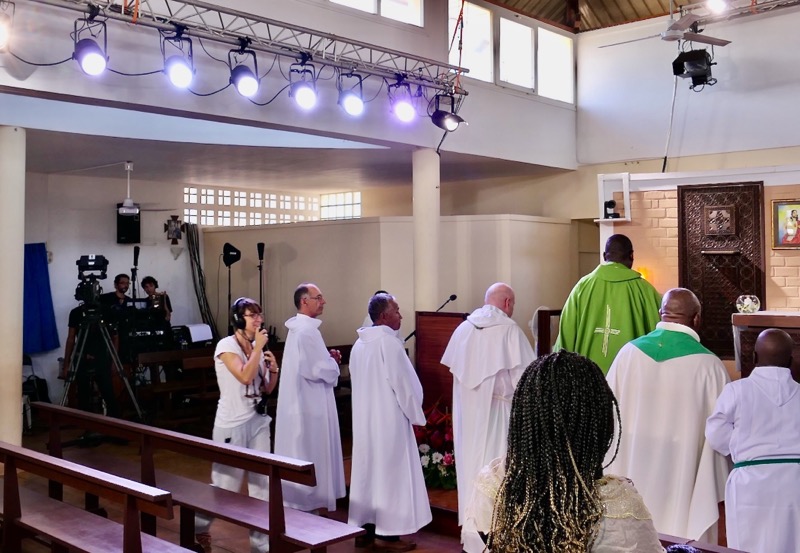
{"type": "Point", "coordinates": [609, 307]}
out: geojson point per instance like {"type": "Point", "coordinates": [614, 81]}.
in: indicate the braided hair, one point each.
{"type": "Point", "coordinates": [561, 426]}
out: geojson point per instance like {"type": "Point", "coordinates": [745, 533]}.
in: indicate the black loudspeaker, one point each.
{"type": "Point", "coordinates": [129, 228]}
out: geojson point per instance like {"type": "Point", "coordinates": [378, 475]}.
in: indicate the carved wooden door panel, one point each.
{"type": "Point", "coordinates": [721, 253]}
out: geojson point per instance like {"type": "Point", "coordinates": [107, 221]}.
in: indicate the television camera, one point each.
{"type": "Point", "coordinates": [91, 269]}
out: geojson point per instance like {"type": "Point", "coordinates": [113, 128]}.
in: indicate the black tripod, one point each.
{"type": "Point", "coordinates": [93, 322]}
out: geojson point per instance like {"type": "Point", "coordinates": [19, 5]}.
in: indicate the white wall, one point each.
{"type": "Point", "coordinates": [625, 91]}
{"type": "Point", "coordinates": [349, 260]}
{"type": "Point", "coordinates": [504, 124]}
{"type": "Point", "coordinates": [76, 216]}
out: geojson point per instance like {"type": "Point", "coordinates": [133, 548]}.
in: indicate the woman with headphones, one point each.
{"type": "Point", "coordinates": [245, 372]}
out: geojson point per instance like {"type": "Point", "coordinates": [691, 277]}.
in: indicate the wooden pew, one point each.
{"type": "Point", "coordinates": [288, 529]}
{"type": "Point", "coordinates": [667, 540]}
{"type": "Point", "coordinates": [27, 513]}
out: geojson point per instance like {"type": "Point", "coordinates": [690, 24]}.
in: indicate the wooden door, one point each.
{"type": "Point", "coordinates": [721, 253]}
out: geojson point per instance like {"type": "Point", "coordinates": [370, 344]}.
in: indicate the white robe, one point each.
{"type": "Point", "coordinates": [307, 424]}
{"type": "Point", "coordinates": [487, 355]}
{"type": "Point", "coordinates": [664, 406]}
{"type": "Point", "coordinates": [387, 488]}
{"type": "Point", "coordinates": [758, 417]}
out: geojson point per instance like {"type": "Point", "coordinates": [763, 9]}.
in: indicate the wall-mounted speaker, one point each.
{"type": "Point", "coordinates": [129, 228]}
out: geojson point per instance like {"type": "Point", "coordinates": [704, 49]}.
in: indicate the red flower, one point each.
{"type": "Point", "coordinates": [448, 459]}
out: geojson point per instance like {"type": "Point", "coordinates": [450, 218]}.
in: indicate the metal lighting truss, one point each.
{"type": "Point", "coordinates": [210, 22]}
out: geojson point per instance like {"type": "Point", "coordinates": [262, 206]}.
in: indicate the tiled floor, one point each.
{"type": "Point", "coordinates": [226, 537]}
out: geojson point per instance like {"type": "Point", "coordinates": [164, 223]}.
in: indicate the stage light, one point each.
{"type": "Point", "coordinates": [243, 77]}
{"type": "Point", "coordinates": [5, 30]}
{"type": "Point", "coordinates": [694, 64]}
{"type": "Point", "coordinates": [351, 98]}
{"type": "Point", "coordinates": [176, 51]}
{"type": "Point", "coordinates": [303, 84]}
{"type": "Point", "coordinates": [402, 101]}
{"type": "Point", "coordinates": [90, 57]}
{"type": "Point", "coordinates": [444, 114]}
{"type": "Point", "coordinates": [230, 254]}
{"type": "Point", "coordinates": [717, 6]}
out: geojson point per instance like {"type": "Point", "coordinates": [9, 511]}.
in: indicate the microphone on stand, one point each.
{"type": "Point", "coordinates": [135, 256]}
{"type": "Point", "coordinates": [134, 270]}
{"type": "Point", "coordinates": [452, 297]}
{"type": "Point", "coordinates": [260, 247]}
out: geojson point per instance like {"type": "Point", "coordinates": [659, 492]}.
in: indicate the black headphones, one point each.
{"type": "Point", "coordinates": [237, 314]}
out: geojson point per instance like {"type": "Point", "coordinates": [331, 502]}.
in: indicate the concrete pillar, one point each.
{"type": "Point", "coordinates": [12, 254]}
{"type": "Point", "coordinates": [425, 167]}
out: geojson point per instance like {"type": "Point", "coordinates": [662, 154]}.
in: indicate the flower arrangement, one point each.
{"type": "Point", "coordinates": [435, 443]}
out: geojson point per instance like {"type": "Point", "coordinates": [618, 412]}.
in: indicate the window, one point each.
{"type": "Point", "coordinates": [207, 196]}
{"type": "Point", "coordinates": [478, 52]}
{"type": "Point", "coordinates": [516, 54]}
{"type": "Point", "coordinates": [190, 215]}
{"type": "Point", "coordinates": [240, 198]}
{"type": "Point", "coordinates": [556, 71]}
{"type": "Point", "coordinates": [190, 195]}
{"type": "Point", "coordinates": [405, 11]}
{"type": "Point", "coordinates": [207, 217]}
{"type": "Point", "coordinates": [224, 197]}
{"type": "Point", "coordinates": [528, 55]}
{"type": "Point", "coordinates": [342, 205]}
{"type": "Point", "coordinates": [224, 218]}
{"type": "Point", "coordinates": [240, 218]}
{"type": "Point", "coordinates": [256, 199]}
{"type": "Point", "coordinates": [255, 218]}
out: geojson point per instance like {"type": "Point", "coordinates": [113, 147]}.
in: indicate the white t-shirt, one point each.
{"type": "Point", "coordinates": [233, 408]}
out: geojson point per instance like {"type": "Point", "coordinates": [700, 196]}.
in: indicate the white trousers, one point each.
{"type": "Point", "coordinates": [254, 434]}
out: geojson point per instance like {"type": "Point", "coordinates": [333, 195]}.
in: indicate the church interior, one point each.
{"type": "Point", "coordinates": [690, 167]}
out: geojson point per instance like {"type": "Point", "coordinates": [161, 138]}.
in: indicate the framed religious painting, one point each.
{"type": "Point", "coordinates": [785, 224]}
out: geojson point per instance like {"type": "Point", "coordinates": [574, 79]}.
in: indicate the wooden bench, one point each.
{"type": "Point", "coordinates": [28, 513]}
{"type": "Point", "coordinates": [667, 540]}
{"type": "Point", "coordinates": [288, 529]}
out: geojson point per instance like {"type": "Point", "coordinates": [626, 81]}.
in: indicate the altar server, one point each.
{"type": "Point", "coordinates": [307, 425]}
{"type": "Point", "coordinates": [757, 422]}
{"type": "Point", "coordinates": [487, 355]}
{"type": "Point", "coordinates": [387, 489]}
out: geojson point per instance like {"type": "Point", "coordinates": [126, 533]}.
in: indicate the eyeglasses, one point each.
{"type": "Point", "coordinates": [254, 315]}
{"type": "Point", "coordinates": [318, 298]}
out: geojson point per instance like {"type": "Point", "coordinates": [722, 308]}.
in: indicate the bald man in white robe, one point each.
{"type": "Point", "coordinates": [487, 355]}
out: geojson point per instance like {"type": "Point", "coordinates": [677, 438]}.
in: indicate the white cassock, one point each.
{"type": "Point", "coordinates": [306, 422]}
{"type": "Point", "coordinates": [487, 355]}
{"type": "Point", "coordinates": [666, 384]}
{"type": "Point", "coordinates": [387, 488]}
{"type": "Point", "coordinates": [758, 417]}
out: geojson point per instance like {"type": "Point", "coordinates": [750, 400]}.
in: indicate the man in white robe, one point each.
{"type": "Point", "coordinates": [757, 422]}
{"type": "Point", "coordinates": [666, 383]}
{"type": "Point", "coordinates": [307, 424]}
{"type": "Point", "coordinates": [387, 488]}
{"type": "Point", "coordinates": [487, 355]}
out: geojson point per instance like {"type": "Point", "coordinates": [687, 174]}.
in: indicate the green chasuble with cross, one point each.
{"type": "Point", "coordinates": [608, 308]}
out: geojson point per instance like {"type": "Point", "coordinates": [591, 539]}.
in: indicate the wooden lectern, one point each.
{"type": "Point", "coordinates": [747, 327]}
{"type": "Point", "coordinates": [433, 334]}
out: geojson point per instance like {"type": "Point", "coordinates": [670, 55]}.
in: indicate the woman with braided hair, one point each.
{"type": "Point", "coordinates": [548, 494]}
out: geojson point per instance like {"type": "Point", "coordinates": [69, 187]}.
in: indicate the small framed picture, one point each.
{"type": "Point", "coordinates": [785, 224]}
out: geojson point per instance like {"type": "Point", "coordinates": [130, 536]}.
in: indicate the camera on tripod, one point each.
{"type": "Point", "coordinates": [91, 268]}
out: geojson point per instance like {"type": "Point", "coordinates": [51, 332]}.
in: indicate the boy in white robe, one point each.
{"type": "Point", "coordinates": [487, 355]}
{"type": "Point", "coordinates": [387, 488]}
{"type": "Point", "coordinates": [307, 424]}
{"type": "Point", "coordinates": [757, 422]}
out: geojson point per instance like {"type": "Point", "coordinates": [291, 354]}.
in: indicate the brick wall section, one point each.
{"type": "Point", "coordinates": [654, 232]}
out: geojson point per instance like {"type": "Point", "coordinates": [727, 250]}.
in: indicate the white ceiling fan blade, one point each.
{"type": "Point", "coordinates": [629, 41]}
{"type": "Point", "coordinates": [684, 22]}
{"type": "Point", "coordinates": [705, 39]}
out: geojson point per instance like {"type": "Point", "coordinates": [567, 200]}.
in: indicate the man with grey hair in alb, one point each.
{"type": "Point", "coordinates": [487, 355]}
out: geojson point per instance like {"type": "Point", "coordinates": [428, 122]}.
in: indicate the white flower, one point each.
{"type": "Point", "coordinates": [437, 458]}
{"type": "Point", "coordinates": [424, 448]}
{"type": "Point", "coordinates": [425, 460]}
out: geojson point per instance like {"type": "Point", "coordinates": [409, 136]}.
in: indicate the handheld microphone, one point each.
{"type": "Point", "coordinates": [135, 256]}
{"type": "Point", "coordinates": [260, 247]}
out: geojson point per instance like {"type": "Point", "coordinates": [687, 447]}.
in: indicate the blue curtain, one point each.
{"type": "Point", "coordinates": [39, 319]}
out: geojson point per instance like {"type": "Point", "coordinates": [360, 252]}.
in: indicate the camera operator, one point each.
{"type": "Point", "coordinates": [245, 374]}
{"type": "Point", "coordinates": [159, 301]}
{"type": "Point", "coordinates": [95, 360]}
{"type": "Point", "coordinates": [117, 299]}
